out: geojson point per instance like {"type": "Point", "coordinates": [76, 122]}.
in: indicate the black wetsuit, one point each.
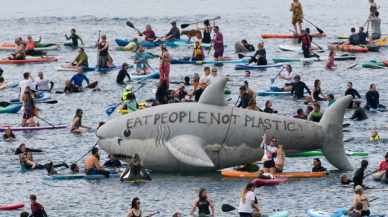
{"type": "Point", "coordinates": [244, 100]}
{"type": "Point", "coordinates": [358, 177]}
{"type": "Point", "coordinates": [198, 94]}
{"type": "Point", "coordinates": [121, 76]}
{"type": "Point", "coordinates": [262, 60]}
{"type": "Point", "coordinates": [5, 136]}
{"type": "Point", "coordinates": [18, 151]}
{"type": "Point", "coordinates": [203, 206]}
{"type": "Point", "coordinates": [74, 38]}
{"type": "Point", "coordinates": [269, 110]}
{"type": "Point", "coordinates": [359, 114]}
{"type": "Point", "coordinates": [316, 95]}
{"type": "Point", "coordinates": [299, 89]}
{"type": "Point", "coordinates": [161, 96]}
{"type": "Point", "coordinates": [250, 47]}
{"type": "Point", "coordinates": [115, 163]}
{"type": "Point", "coordinates": [319, 169]}
{"type": "Point", "coordinates": [354, 93]}
{"type": "Point", "coordinates": [347, 182]}
{"type": "Point", "coordinates": [71, 89]}
{"type": "Point", "coordinates": [372, 100]}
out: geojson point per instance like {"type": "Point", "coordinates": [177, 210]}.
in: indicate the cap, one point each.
{"type": "Point", "coordinates": [125, 64]}
{"type": "Point", "coordinates": [128, 87]}
{"type": "Point", "coordinates": [357, 188]}
{"type": "Point", "coordinates": [21, 156]}
{"type": "Point", "coordinates": [181, 85]}
{"type": "Point", "coordinates": [134, 38]}
{"type": "Point", "coordinates": [173, 22]}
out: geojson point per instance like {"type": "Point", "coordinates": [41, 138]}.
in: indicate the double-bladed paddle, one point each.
{"type": "Point", "coordinates": [48, 102]}
{"type": "Point", "coordinates": [273, 80]}
{"type": "Point", "coordinates": [186, 25]}
{"type": "Point", "coordinates": [110, 110]}
{"type": "Point", "coordinates": [129, 24]}
{"type": "Point", "coordinates": [318, 29]}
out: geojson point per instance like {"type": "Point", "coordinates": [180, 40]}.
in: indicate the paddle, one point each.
{"type": "Point", "coordinates": [352, 66]}
{"type": "Point", "coordinates": [144, 61]}
{"type": "Point", "coordinates": [211, 45]}
{"type": "Point", "coordinates": [48, 102]}
{"type": "Point", "coordinates": [227, 208]}
{"type": "Point", "coordinates": [237, 101]}
{"type": "Point", "coordinates": [4, 104]}
{"type": "Point", "coordinates": [154, 213]}
{"type": "Point", "coordinates": [368, 20]}
{"type": "Point", "coordinates": [273, 80]}
{"type": "Point", "coordinates": [310, 41]}
{"type": "Point", "coordinates": [186, 25]}
{"type": "Point", "coordinates": [43, 120]}
{"type": "Point", "coordinates": [129, 24]}
{"type": "Point", "coordinates": [318, 29]}
{"type": "Point", "coordinates": [240, 56]}
{"type": "Point", "coordinates": [98, 53]}
{"type": "Point", "coordinates": [373, 172]}
{"type": "Point", "coordinates": [110, 110]}
{"type": "Point", "coordinates": [345, 125]}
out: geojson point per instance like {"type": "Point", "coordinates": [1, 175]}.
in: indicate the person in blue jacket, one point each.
{"type": "Point", "coordinates": [78, 78]}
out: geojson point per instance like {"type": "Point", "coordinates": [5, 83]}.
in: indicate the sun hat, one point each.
{"type": "Point", "coordinates": [128, 87]}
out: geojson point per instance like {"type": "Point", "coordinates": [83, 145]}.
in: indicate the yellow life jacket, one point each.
{"type": "Point", "coordinates": [130, 47]}
{"type": "Point", "coordinates": [374, 139]}
{"type": "Point", "coordinates": [198, 51]}
{"type": "Point", "coordinates": [125, 93]}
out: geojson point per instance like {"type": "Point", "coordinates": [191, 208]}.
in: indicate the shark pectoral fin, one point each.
{"type": "Point", "coordinates": [189, 150]}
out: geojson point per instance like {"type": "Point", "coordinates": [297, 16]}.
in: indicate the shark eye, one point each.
{"type": "Point", "coordinates": [127, 133]}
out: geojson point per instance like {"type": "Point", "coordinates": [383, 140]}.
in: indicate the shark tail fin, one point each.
{"type": "Point", "coordinates": [331, 122]}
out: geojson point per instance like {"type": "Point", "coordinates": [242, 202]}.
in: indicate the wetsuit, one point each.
{"type": "Point", "coordinates": [347, 182]}
{"type": "Point", "coordinates": [299, 89]}
{"type": "Point", "coordinates": [198, 94]}
{"type": "Point", "coordinates": [262, 60]}
{"type": "Point", "coordinates": [121, 76]}
{"type": "Point", "coordinates": [319, 169]}
{"type": "Point", "coordinates": [71, 89]}
{"type": "Point", "coordinates": [358, 177]}
{"type": "Point", "coordinates": [5, 136]}
{"type": "Point", "coordinates": [115, 163]}
{"type": "Point", "coordinates": [74, 38]}
{"type": "Point", "coordinates": [316, 95]}
{"type": "Point", "coordinates": [372, 100]}
{"type": "Point", "coordinates": [269, 152]}
{"type": "Point", "coordinates": [77, 79]}
{"type": "Point", "coordinates": [269, 110]}
{"type": "Point", "coordinates": [244, 100]}
{"type": "Point", "coordinates": [250, 47]}
{"type": "Point", "coordinates": [203, 206]}
{"type": "Point", "coordinates": [18, 151]}
{"type": "Point", "coordinates": [161, 96]}
{"type": "Point", "coordinates": [359, 114]}
{"type": "Point", "coordinates": [38, 210]}
{"type": "Point", "coordinates": [135, 173]}
{"type": "Point", "coordinates": [354, 93]}
{"type": "Point", "coordinates": [315, 116]}
{"type": "Point", "coordinates": [103, 56]}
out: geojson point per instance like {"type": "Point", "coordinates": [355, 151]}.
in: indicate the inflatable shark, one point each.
{"type": "Point", "coordinates": [210, 135]}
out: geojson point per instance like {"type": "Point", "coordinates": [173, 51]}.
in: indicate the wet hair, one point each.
{"type": "Point", "coordinates": [343, 175]}
{"type": "Point", "coordinates": [94, 150]}
{"type": "Point", "coordinates": [164, 83]}
{"type": "Point", "coordinates": [21, 145]}
{"type": "Point", "coordinates": [357, 103]}
{"type": "Point", "coordinates": [134, 201]}
{"type": "Point", "coordinates": [331, 53]}
{"type": "Point", "coordinates": [364, 163]}
{"type": "Point", "coordinates": [370, 87]}
{"type": "Point", "coordinates": [201, 190]}
{"type": "Point", "coordinates": [28, 97]}
{"type": "Point", "coordinates": [136, 160]}
{"type": "Point", "coordinates": [206, 23]}
{"type": "Point", "coordinates": [73, 166]}
{"type": "Point", "coordinates": [130, 97]}
{"type": "Point", "coordinates": [331, 96]}
{"type": "Point", "coordinates": [187, 79]}
{"type": "Point", "coordinates": [317, 105]}
{"type": "Point", "coordinates": [377, 14]}
{"type": "Point", "coordinates": [316, 83]}
{"type": "Point", "coordinates": [26, 75]}
{"type": "Point", "coordinates": [246, 83]}
{"type": "Point", "coordinates": [33, 197]}
{"type": "Point", "coordinates": [244, 41]}
{"type": "Point", "coordinates": [243, 88]}
{"type": "Point", "coordinates": [359, 191]}
{"type": "Point", "coordinates": [266, 103]}
{"type": "Point", "coordinates": [350, 83]}
{"type": "Point", "coordinates": [248, 71]}
{"type": "Point", "coordinates": [359, 206]}
{"type": "Point", "coordinates": [24, 214]}
{"type": "Point", "coordinates": [206, 68]}
{"type": "Point", "coordinates": [176, 214]}
{"type": "Point", "coordinates": [318, 160]}
{"type": "Point", "coordinates": [245, 191]}
{"type": "Point", "coordinates": [352, 29]}
{"type": "Point", "coordinates": [310, 107]}
{"type": "Point", "coordinates": [73, 30]}
{"type": "Point", "coordinates": [77, 115]}
{"type": "Point", "coordinates": [299, 111]}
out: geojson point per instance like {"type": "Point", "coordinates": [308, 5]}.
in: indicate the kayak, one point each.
{"type": "Point", "coordinates": [289, 36]}
{"type": "Point", "coordinates": [12, 47]}
{"type": "Point", "coordinates": [151, 75]}
{"type": "Point", "coordinates": [122, 42]}
{"type": "Point", "coordinates": [34, 128]}
{"type": "Point", "coordinates": [347, 48]}
{"type": "Point", "coordinates": [11, 207]}
{"type": "Point", "coordinates": [38, 59]}
{"type": "Point", "coordinates": [240, 48]}
{"type": "Point", "coordinates": [374, 65]}
{"type": "Point", "coordinates": [285, 47]}
{"type": "Point", "coordinates": [319, 153]}
{"type": "Point", "coordinates": [380, 176]}
{"type": "Point", "coordinates": [142, 105]}
{"type": "Point", "coordinates": [45, 97]}
{"type": "Point", "coordinates": [92, 85]}
{"type": "Point", "coordinates": [269, 181]}
{"type": "Point", "coordinates": [373, 47]}
{"type": "Point", "coordinates": [183, 44]}
{"type": "Point", "coordinates": [269, 65]}
{"type": "Point", "coordinates": [277, 214]}
{"type": "Point", "coordinates": [92, 68]}
{"type": "Point", "coordinates": [10, 109]}
{"type": "Point", "coordinates": [177, 61]}
{"type": "Point", "coordinates": [322, 58]}
{"type": "Point", "coordinates": [347, 37]}
{"type": "Point", "coordinates": [244, 174]}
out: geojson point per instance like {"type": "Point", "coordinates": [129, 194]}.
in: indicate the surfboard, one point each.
{"type": "Point", "coordinates": [92, 85]}
{"type": "Point", "coordinates": [239, 48]}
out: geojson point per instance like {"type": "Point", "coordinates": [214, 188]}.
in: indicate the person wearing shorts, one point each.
{"type": "Point", "coordinates": [218, 42]}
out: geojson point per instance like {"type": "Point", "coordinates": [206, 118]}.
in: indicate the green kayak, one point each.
{"type": "Point", "coordinates": [375, 65]}
{"type": "Point", "coordinates": [319, 153]}
{"type": "Point", "coordinates": [227, 91]}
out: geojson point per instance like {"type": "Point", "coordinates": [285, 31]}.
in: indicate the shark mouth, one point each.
{"type": "Point", "coordinates": [122, 156]}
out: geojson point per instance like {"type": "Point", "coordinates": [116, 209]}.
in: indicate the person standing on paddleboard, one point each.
{"type": "Point", "coordinates": [203, 202]}
{"type": "Point", "coordinates": [102, 51]}
{"type": "Point", "coordinates": [297, 15]}
{"type": "Point", "coordinates": [271, 153]}
{"type": "Point", "coordinates": [164, 67]}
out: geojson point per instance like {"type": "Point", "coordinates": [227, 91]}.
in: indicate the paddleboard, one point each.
{"type": "Point", "coordinates": [321, 58]}
{"type": "Point", "coordinates": [240, 48]}
{"type": "Point", "coordinates": [122, 42]}
{"type": "Point", "coordinates": [45, 97]}
{"type": "Point", "coordinates": [177, 61]}
{"type": "Point", "coordinates": [378, 65]}
{"type": "Point", "coordinates": [244, 174]}
{"type": "Point", "coordinates": [183, 44]}
{"type": "Point", "coordinates": [269, 65]}
{"type": "Point", "coordinates": [12, 47]}
{"type": "Point", "coordinates": [10, 109]}
{"type": "Point", "coordinates": [289, 36]}
{"type": "Point", "coordinates": [285, 47]}
{"type": "Point", "coordinates": [348, 139]}
{"type": "Point", "coordinates": [88, 69]}
{"type": "Point", "coordinates": [151, 75]}
{"type": "Point", "coordinates": [34, 128]}
{"type": "Point", "coordinates": [92, 85]}
{"type": "Point", "coordinates": [30, 60]}
{"type": "Point", "coordinates": [319, 153]}
{"type": "Point", "coordinates": [11, 207]}
{"type": "Point", "coordinates": [276, 214]}
{"type": "Point", "coordinates": [278, 180]}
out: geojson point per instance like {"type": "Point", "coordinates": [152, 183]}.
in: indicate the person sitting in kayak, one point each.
{"type": "Point", "coordinates": [80, 60]}
{"type": "Point", "coordinates": [198, 54]}
{"type": "Point", "coordinates": [260, 56]}
{"type": "Point", "coordinates": [345, 181]}
{"type": "Point", "coordinates": [203, 202]}
{"type": "Point", "coordinates": [373, 98]}
{"type": "Point", "coordinates": [280, 158]}
{"type": "Point", "coordinates": [112, 162]}
{"type": "Point", "coordinates": [288, 75]}
{"type": "Point", "coordinates": [77, 122]}
{"type": "Point", "coordinates": [358, 177]}
{"type": "Point", "coordinates": [359, 113]}
{"type": "Point", "coordinates": [374, 136]}
{"type": "Point", "coordinates": [123, 73]}
{"type": "Point", "coordinates": [247, 46]}
{"type": "Point", "coordinates": [354, 39]}
{"type": "Point", "coordinates": [130, 103]}
{"type": "Point", "coordinates": [36, 208]}
{"type": "Point", "coordinates": [149, 34]}
{"type": "Point", "coordinates": [271, 153]}
{"type": "Point", "coordinates": [74, 37]}
{"type": "Point", "coordinates": [23, 149]}
{"type": "Point", "coordinates": [316, 91]}
{"type": "Point", "coordinates": [360, 196]}
{"type": "Point", "coordinates": [298, 88]}
{"type": "Point", "coordinates": [268, 108]}
{"type": "Point", "coordinates": [318, 166]}
{"type": "Point", "coordinates": [78, 78]}
{"type": "Point", "coordinates": [8, 135]}
{"type": "Point", "coordinates": [131, 46]}
{"type": "Point", "coordinates": [141, 61]}
{"type": "Point", "coordinates": [20, 53]}
{"type": "Point", "coordinates": [250, 90]}
{"type": "Point", "coordinates": [91, 165]}
{"type": "Point", "coordinates": [316, 114]}
{"type": "Point", "coordinates": [135, 168]}
{"type": "Point", "coordinates": [362, 36]}
{"type": "Point", "coordinates": [244, 97]}
{"type": "Point", "coordinates": [174, 33]}
{"type": "Point", "coordinates": [330, 61]}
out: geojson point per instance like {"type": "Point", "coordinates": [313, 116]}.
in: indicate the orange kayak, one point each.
{"type": "Point", "coordinates": [28, 61]}
{"type": "Point", "coordinates": [243, 174]}
{"type": "Point", "coordinates": [289, 36]}
{"type": "Point", "coordinates": [347, 48]}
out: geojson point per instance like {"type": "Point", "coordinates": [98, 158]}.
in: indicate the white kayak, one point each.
{"type": "Point", "coordinates": [379, 176]}
{"type": "Point", "coordinates": [285, 47]}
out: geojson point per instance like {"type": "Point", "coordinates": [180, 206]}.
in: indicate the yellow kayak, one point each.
{"type": "Point", "coordinates": [142, 105]}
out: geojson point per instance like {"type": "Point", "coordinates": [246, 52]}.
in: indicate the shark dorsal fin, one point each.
{"type": "Point", "coordinates": [214, 93]}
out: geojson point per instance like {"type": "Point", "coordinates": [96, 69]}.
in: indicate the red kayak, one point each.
{"type": "Point", "coordinates": [385, 62]}
{"type": "Point", "coordinates": [289, 36]}
{"type": "Point", "coordinates": [28, 61]}
{"type": "Point", "coordinates": [10, 207]}
{"type": "Point", "coordinates": [261, 182]}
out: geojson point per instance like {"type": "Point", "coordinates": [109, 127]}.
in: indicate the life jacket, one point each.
{"type": "Point", "coordinates": [30, 46]}
{"type": "Point", "coordinates": [306, 40]}
{"type": "Point", "coordinates": [374, 139]}
{"type": "Point", "coordinates": [198, 51]}
{"type": "Point", "coordinates": [125, 93]}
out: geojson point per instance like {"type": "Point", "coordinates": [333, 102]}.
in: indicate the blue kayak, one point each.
{"type": "Point", "coordinates": [269, 65]}
{"type": "Point", "coordinates": [93, 68]}
{"type": "Point", "coordinates": [10, 109]}
{"type": "Point", "coordinates": [274, 91]}
{"type": "Point", "coordinates": [13, 85]}
{"type": "Point", "coordinates": [45, 97]}
{"type": "Point", "coordinates": [151, 75]}
{"type": "Point", "coordinates": [177, 61]}
{"type": "Point", "coordinates": [122, 42]}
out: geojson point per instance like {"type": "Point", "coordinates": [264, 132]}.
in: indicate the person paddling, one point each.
{"type": "Point", "coordinates": [80, 60]}
{"type": "Point", "coordinates": [74, 37]}
{"type": "Point", "coordinates": [77, 122]}
{"type": "Point", "coordinates": [135, 168]}
{"type": "Point", "coordinates": [141, 61]}
{"type": "Point", "coordinates": [149, 34]}
{"type": "Point", "coordinates": [207, 29]}
{"type": "Point", "coordinates": [288, 75]}
{"type": "Point", "coordinates": [270, 152]}
{"type": "Point", "coordinates": [91, 165]}
{"type": "Point", "coordinates": [203, 202]}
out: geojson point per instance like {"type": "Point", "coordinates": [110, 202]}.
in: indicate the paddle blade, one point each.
{"type": "Point", "coordinates": [51, 102]}
{"type": "Point", "coordinates": [240, 56]}
{"type": "Point", "coordinates": [130, 24]}
{"type": "Point", "coordinates": [4, 104]}
{"type": "Point", "coordinates": [110, 110]}
{"type": "Point", "coordinates": [319, 30]}
{"type": "Point", "coordinates": [184, 25]}
{"type": "Point", "coordinates": [227, 208]}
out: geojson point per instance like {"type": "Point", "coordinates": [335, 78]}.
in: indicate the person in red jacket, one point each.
{"type": "Point", "coordinates": [36, 208]}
